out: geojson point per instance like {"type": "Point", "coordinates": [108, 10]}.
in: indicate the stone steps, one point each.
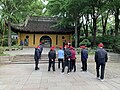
{"type": "Point", "coordinates": [29, 59]}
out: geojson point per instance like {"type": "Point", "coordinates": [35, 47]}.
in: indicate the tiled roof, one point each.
{"type": "Point", "coordinates": [40, 25]}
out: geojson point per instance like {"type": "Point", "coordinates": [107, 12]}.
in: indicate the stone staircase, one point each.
{"type": "Point", "coordinates": [29, 59]}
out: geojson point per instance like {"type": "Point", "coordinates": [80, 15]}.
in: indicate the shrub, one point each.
{"type": "Point", "coordinates": [1, 50]}
{"type": "Point", "coordinates": [5, 42]}
{"type": "Point", "coordinates": [85, 42]}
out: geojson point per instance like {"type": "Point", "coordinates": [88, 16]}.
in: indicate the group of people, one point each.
{"type": "Point", "coordinates": [67, 58]}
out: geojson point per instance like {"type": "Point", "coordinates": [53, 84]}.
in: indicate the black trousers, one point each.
{"type": "Point", "coordinates": [84, 65]}
{"type": "Point", "coordinates": [102, 65]}
{"type": "Point", "coordinates": [73, 65]}
{"type": "Point", "coordinates": [36, 63]}
{"type": "Point", "coordinates": [59, 61]}
{"type": "Point", "coordinates": [66, 63]}
{"type": "Point", "coordinates": [51, 63]}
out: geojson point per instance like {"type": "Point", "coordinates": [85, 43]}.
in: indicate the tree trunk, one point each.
{"type": "Point", "coordinates": [116, 21]}
{"type": "Point", "coordinates": [76, 38]}
{"type": "Point", "coordinates": [79, 27]}
{"type": "Point", "coordinates": [94, 26]}
{"type": "Point", "coordinates": [94, 31]}
{"type": "Point", "coordinates": [9, 35]}
{"type": "Point", "coordinates": [104, 24]}
{"type": "Point", "coordinates": [86, 31]}
{"type": "Point", "coordinates": [3, 34]}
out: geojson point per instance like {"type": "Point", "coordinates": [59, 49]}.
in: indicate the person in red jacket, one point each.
{"type": "Point", "coordinates": [72, 59]}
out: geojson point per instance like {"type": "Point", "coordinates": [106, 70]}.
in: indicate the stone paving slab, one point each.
{"type": "Point", "coordinates": [24, 77]}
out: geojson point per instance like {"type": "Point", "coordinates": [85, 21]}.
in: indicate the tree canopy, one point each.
{"type": "Point", "coordinates": [88, 17]}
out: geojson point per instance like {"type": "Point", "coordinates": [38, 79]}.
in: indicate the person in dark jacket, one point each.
{"type": "Point", "coordinates": [41, 48]}
{"type": "Point", "coordinates": [37, 57]}
{"type": "Point", "coordinates": [100, 59]}
{"type": "Point", "coordinates": [67, 54]}
{"type": "Point", "coordinates": [84, 57]}
{"type": "Point", "coordinates": [64, 43]}
{"type": "Point", "coordinates": [72, 59]}
{"type": "Point", "coordinates": [52, 57]}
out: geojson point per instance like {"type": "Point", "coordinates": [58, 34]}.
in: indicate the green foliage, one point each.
{"type": "Point", "coordinates": [5, 41]}
{"type": "Point", "coordinates": [110, 42]}
{"type": "Point", "coordinates": [14, 42]}
{"type": "Point", "coordinates": [1, 50]}
{"type": "Point", "coordinates": [116, 44]}
{"type": "Point", "coordinates": [85, 42]}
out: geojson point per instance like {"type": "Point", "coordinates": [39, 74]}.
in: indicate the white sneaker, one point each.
{"type": "Point", "coordinates": [98, 78]}
{"type": "Point", "coordinates": [102, 80]}
{"type": "Point", "coordinates": [68, 73]}
{"type": "Point", "coordinates": [62, 73]}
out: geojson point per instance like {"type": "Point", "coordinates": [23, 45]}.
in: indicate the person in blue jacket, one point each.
{"type": "Point", "coordinates": [60, 56]}
{"type": "Point", "coordinates": [84, 57]}
{"type": "Point", "coordinates": [100, 59]}
{"type": "Point", "coordinates": [37, 57]}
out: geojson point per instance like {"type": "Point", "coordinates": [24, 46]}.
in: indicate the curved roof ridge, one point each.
{"type": "Point", "coordinates": [42, 18]}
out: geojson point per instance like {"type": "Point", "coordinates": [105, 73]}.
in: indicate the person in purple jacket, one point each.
{"type": "Point", "coordinates": [84, 57]}
{"type": "Point", "coordinates": [72, 59]}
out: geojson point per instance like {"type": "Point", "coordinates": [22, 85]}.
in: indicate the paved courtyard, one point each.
{"type": "Point", "coordinates": [24, 77]}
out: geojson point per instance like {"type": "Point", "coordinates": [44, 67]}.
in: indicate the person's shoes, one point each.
{"type": "Point", "coordinates": [37, 68]}
{"type": "Point", "coordinates": [68, 73]}
{"type": "Point", "coordinates": [62, 73]}
{"type": "Point", "coordinates": [98, 78]}
{"type": "Point", "coordinates": [101, 80]}
{"type": "Point", "coordinates": [48, 70]}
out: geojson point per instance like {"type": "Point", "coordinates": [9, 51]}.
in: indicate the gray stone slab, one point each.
{"type": "Point", "coordinates": [24, 77]}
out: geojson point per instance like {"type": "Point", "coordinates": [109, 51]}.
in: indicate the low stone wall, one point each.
{"type": "Point", "coordinates": [6, 59]}
{"type": "Point", "coordinates": [114, 57]}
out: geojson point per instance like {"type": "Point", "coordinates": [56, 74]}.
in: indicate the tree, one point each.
{"type": "Point", "coordinates": [114, 6]}
{"type": "Point", "coordinates": [16, 11]}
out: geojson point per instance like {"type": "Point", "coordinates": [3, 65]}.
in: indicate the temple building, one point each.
{"type": "Point", "coordinates": [41, 29]}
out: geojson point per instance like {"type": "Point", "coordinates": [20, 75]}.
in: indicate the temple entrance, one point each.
{"type": "Point", "coordinates": [46, 40]}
